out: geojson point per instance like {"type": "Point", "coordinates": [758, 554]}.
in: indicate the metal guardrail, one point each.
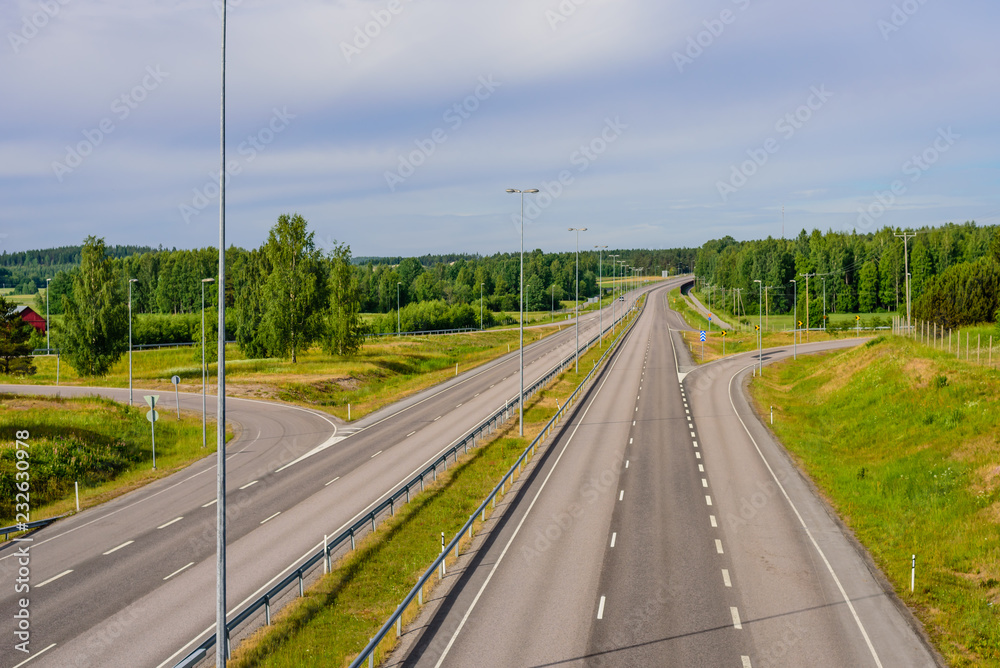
{"type": "Point", "coordinates": [261, 609]}
{"type": "Point", "coordinates": [136, 346]}
{"type": "Point", "coordinates": [28, 526]}
{"type": "Point", "coordinates": [428, 332]}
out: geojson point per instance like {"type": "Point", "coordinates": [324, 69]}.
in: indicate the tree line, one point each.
{"type": "Point", "coordinates": [849, 272]}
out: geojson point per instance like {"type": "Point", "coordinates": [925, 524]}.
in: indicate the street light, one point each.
{"type": "Point", "coordinates": [48, 346]}
{"type": "Point", "coordinates": [577, 355]}
{"type": "Point", "coordinates": [520, 396]}
{"type": "Point", "coordinates": [824, 303]}
{"type": "Point", "coordinates": [204, 369]}
{"type": "Point", "coordinates": [795, 317]}
{"type": "Point", "coordinates": [130, 282]}
{"type": "Point", "coordinates": [600, 287]}
{"type": "Point", "coordinates": [481, 305]}
{"type": "Point", "coordinates": [760, 332]}
{"type": "Point", "coordinates": [397, 307]}
{"type": "Point", "coordinates": [614, 286]}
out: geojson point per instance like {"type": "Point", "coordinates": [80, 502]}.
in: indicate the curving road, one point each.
{"type": "Point", "coordinates": [663, 526]}
{"type": "Point", "coordinates": [132, 582]}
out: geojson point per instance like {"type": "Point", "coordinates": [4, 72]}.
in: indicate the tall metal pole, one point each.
{"type": "Point", "coordinates": [906, 268]}
{"type": "Point", "coordinates": [481, 305]}
{"type": "Point", "coordinates": [600, 287]}
{"type": "Point", "coordinates": [221, 635]}
{"type": "Point", "coordinates": [760, 332]}
{"type": "Point", "coordinates": [614, 290]}
{"type": "Point", "coordinates": [48, 345]}
{"type": "Point", "coordinates": [130, 282]}
{"type": "Point", "coordinates": [397, 307]}
{"type": "Point", "coordinates": [520, 396]}
{"type": "Point", "coordinates": [824, 303]}
{"type": "Point", "coordinates": [204, 368]}
{"type": "Point", "coordinates": [577, 354]}
{"type": "Point", "coordinates": [795, 317]}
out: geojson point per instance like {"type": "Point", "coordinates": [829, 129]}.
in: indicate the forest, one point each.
{"type": "Point", "coordinates": [861, 273]}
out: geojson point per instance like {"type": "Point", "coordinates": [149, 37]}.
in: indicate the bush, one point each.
{"type": "Point", "coordinates": [432, 315]}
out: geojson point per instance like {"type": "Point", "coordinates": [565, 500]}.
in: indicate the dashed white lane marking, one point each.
{"type": "Point", "coordinates": [213, 501]}
{"type": "Point", "coordinates": [725, 577]}
{"type": "Point", "coordinates": [692, 436]}
{"type": "Point", "coordinates": [701, 467]}
{"type": "Point", "coordinates": [718, 546]}
{"type": "Point", "coordinates": [695, 443]}
{"type": "Point", "coordinates": [115, 549]}
{"type": "Point", "coordinates": [53, 579]}
{"type": "Point", "coordinates": [437, 418]}
{"type": "Point", "coordinates": [715, 523]}
{"type": "Point", "coordinates": [614, 536]}
{"type": "Point", "coordinates": [621, 495]}
{"type": "Point", "coordinates": [493, 385]}
{"type": "Point", "coordinates": [475, 395]}
{"type": "Point", "coordinates": [708, 499]}
{"type": "Point", "coordinates": [332, 481]}
{"type": "Point", "coordinates": [626, 463]}
{"type": "Point", "coordinates": [35, 655]}
{"type": "Point", "coordinates": [704, 482]}
{"type": "Point", "coordinates": [746, 661]}
{"type": "Point", "coordinates": [600, 609]}
{"type": "Point", "coordinates": [249, 484]}
{"type": "Point", "coordinates": [633, 423]}
{"type": "Point", "coordinates": [630, 441]}
{"type": "Point", "coordinates": [271, 517]}
{"type": "Point", "coordinates": [377, 454]}
{"type": "Point", "coordinates": [690, 425]}
{"type": "Point", "coordinates": [164, 526]}
{"type": "Point", "coordinates": [636, 409]}
{"type": "Point", "coordinates": [697, 455]}
{"type": "Point", "coordinates": [182, 568]}
{"type": "Point", "coordinates": [410, 434]}
{"type": "Point", "coordinates": [460, 405]}
{"type": "Point", "coordinates": [736, 618]}
{"type": "Point", "coordinates": [687, 411]}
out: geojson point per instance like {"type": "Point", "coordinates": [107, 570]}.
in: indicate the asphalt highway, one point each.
{"type": "Point", "coordinates": [132, 582]}
{"type": "Point", "coordinates": [663, 526]}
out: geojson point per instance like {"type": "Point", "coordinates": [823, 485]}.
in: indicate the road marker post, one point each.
{"type": "Point", "coordinates": [913, 572]}
{"type": "Point", "coordinates": [152, 416]}
{"type": "Point", "coordinates": [76, 488]}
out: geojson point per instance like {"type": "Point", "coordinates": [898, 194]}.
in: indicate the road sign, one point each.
{"type": "Point", "coordinates": [151, 399]}
{"type": "Point", "coordinates": [175, 379]}
{"type": "Point", "coordinates": [800, 323]}
{"type": "Point", "coordinates": [723, 333]}
{"type": "Point", "coordinates": [702, 336]}
{"type": "Point", "coordinates": [756, 327]}
{"type": "Point", "coordinates": [709, 316]}
{"type": "Point", "coordinates": [152, 415]}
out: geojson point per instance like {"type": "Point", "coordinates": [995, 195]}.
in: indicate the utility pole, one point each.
{"type": "Point", "coordinates": [807, 303]}
{"type": "Point", "coordinates": [906, 264]}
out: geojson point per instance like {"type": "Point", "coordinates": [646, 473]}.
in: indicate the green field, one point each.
{"type": "Point", "coordinates": [104, 445]}
{"type": "Point", "coordinates": [904, 442]}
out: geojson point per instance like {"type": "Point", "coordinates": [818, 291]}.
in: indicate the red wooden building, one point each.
{"type": "Point", "coordinates": [32, 318]}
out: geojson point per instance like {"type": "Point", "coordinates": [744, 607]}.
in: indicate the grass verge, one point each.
{"type": "Point", "coordinates": [102, 444]}
{"type": "Point", "coordinates": [337, 616]}
{"type": "Point", "coordinates": [903, 441]}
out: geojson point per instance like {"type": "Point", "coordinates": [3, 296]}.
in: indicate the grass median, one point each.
{"type": "Point", "coordinates": [903, 441]}
{"type": "Point", "coordinates": [338, 615]}
{"type": "Point", "coordinates": [104, 445]}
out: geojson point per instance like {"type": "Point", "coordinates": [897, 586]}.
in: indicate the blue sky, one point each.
{"type": "Point", "coordinates": [396, 125]}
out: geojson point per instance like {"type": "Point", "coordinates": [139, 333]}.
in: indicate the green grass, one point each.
{"type": "Point", "coordinates": [384, 371]}
{"type": "Point", "coordinates": [334, 621]}
{"type": "Point", "coordinates": [904, 442]}
{"type": "Point", "coordinates": [104, 445]}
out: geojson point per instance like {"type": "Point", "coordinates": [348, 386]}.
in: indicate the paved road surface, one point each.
{"type": "Point", "coordinates": [664, 527]}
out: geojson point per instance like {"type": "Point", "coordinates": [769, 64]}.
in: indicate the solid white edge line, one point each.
{"type": "Point", "coordinates": [176, 519]}
{"type": "Point", "coordinates": [524, 517]}
{"type": "Point", "coordinates": [600, 609]}
{"type": "Point", "coordinates": [736, 618]}
{"type": "Point", "coordinates": [35, 655]}
{"type": "Point", "coordinates": [271, 517]}
{"type": "Point", "coordinates": [115, 549]}
{"type": "Point", "coordinates": [54, 578]}
{"type": "Point", "coordinates": [182, 568]}
{"type": "Point", "coordinates": [784, 492]}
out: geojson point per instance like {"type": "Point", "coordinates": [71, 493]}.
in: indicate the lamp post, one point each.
{"type": "Point", "coordinates": [824, 303]}
{"type": "Point", "coordinates": [130, 282]}
{"type": "Point", "coordinates": [576, 356]}
{"type": "Point", "coordinates": [760, 332]}
{"type": "Point", "coordinates": [795, 317]}
{"type": "Point", "coordinates": [48, 346]}
{"type": "Point", "coordinates": [552, 304]}
{"type": "Point", "coordinates": [481, 305]}
{"type": "Point", "coordinates": [204, 369]}
{"type": "Point", "coordinates": [600, 287]}
{"type": "Point", "coordinates": [614, 284]}
{"type": "Point", "coordinates": [397, 307]}
{"type": "Point", "coordinates": [520, 395]}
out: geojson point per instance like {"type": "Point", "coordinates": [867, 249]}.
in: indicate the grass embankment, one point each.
{"type": "Point", "coordinates": [337, 616]}
{"type": "Point", "coordinates": [102, 444]}
{"type": "Point", "coordinates": [904, 442]}
{"type": "Point", "coordinates": [386, 370]}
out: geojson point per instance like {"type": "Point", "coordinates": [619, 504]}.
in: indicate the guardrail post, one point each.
{"type": "Point", "coordinates": [353, 546]}
{"type": "Point", "coordinates": [420, 596]}
{"type": "Point", "coordinates": [326, 554]}
{"type": "Point", "coordinates": [267, 610]}
{"type": "Point", "coordinates": [301, 589]}
{"type": "Point", "coordinates": [407, 492]}
{"type": "Point", "coordinates": [373, 522]}
{"type": "Point", "coordinates": [392, 507]}
{"type": "Point", "coordinates": [399, 625]}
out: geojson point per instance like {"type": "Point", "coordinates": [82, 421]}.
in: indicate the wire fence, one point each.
{"type": "Point", "coordinates": [259, 612]}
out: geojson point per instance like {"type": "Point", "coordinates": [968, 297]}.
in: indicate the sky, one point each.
{"type": "Point", "coordinates": [395, 126]}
